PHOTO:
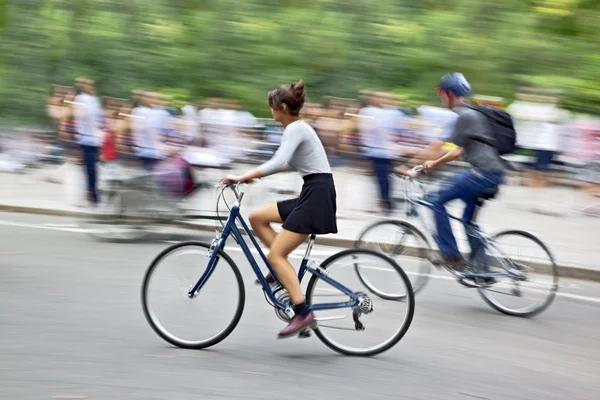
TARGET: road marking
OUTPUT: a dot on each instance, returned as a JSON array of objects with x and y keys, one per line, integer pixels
[
  {"x": 61, "y": 225},
  {"x": 579, "y": 297},
  {"x": 41, "y": 226},
  {"x": 474, "y": 396},
  {"x": 69, "y": 396},
  {"x": 159, "y": 355},
  {"x": 255, "y": 373}
]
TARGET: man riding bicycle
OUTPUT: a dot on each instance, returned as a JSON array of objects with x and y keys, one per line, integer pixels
[{"x": 471, "y": 136}]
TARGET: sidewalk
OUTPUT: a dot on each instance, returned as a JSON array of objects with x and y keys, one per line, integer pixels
[{"x": 549, "y": 213}]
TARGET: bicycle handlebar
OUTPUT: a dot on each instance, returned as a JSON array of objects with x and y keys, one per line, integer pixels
[
  {"x": 418, "y": 168},
  {"x": 239, "y": 195}
]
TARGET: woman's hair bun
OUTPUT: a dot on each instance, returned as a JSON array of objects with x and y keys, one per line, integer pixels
[
  {"x": 293, "y": 96},
  {"x": 299, "y": 86}
]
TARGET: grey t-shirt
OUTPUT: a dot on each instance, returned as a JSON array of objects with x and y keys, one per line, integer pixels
[
  {"x": 301, "y": 150},
  {"x": 470, "y": 125}
]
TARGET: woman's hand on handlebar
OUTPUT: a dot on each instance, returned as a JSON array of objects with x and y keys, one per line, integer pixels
[
  {"x": 246, "y": 178},
  {"x": 233, "y": 179}
]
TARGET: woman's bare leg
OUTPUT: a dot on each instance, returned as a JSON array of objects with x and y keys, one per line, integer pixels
[
  {"x": 261, "y": 220},
  {"x": 285, "y": 242}
]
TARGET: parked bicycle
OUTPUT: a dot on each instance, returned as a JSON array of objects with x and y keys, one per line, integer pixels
[
  {"x": 132, "y": 201},
  {"x": 499, "y": 270},
  {"x": 344, "y": 316}
]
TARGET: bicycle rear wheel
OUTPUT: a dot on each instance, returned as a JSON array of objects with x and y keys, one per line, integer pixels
[
  {"x": 533, "y": 285},
  {"x": 379, "y": 323},
  {"x": 204, "y": 320},
  {"x": 403, "y": 243}
]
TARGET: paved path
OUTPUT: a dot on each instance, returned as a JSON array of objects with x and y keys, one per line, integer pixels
[{"x": 73, "y": 328}]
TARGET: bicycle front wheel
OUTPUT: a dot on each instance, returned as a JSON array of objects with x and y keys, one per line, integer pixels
[
  {"x": 204, "y": 320},
  {"x": 376, "y": 324},
  {"x": 531, "y": 282},
  {"x": 403, "y": 243}
]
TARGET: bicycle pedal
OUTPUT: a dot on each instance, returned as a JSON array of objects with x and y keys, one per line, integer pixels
[{"x": 304, "y": 334}]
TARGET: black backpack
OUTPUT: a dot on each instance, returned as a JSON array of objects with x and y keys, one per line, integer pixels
[{"x": 502, "y": 127}]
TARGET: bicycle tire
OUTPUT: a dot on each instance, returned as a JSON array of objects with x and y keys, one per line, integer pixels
[
  {"x": 169, "y": 337},
  {"x": 424, "y": 272},
  {"x": 398, "y": 335},
  {"x": 554, "y": 289}
]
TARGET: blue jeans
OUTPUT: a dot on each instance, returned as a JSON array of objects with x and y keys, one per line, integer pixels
[
  {"x": 90, "y": 157},
  {"x": 149, "y": 163},
  {"x": 465, "y": 186},
  {"x": 382, "y": 168}
]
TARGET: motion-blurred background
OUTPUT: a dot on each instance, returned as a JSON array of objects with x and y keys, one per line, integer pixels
[{"x": 209, "y": 65}]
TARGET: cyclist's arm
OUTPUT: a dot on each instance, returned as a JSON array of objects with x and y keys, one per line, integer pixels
[
  {"x": 452, "y": 155},
  {"x": 279, "y": 161},
  {"x": 290, "y": 141},
  {"x": 432, "y": 151}
]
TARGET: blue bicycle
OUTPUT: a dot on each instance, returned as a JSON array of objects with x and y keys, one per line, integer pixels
[
  {"x": 209, "y": 288},
  {"x": 514, "y": 271}
]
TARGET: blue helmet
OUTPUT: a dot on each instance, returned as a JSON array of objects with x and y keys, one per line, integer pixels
[{"x": 456, "y": 83}]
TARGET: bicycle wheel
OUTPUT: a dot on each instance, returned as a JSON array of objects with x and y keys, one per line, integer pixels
[
  {"x": 532, "y": 287},
  {"x": 402, "y": 242},
  {"x": 337, "y": 328},
  {"x": 204, "y": 320}
]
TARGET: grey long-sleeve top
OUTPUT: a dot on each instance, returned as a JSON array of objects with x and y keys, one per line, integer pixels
[{"x": 301, "y": 150}]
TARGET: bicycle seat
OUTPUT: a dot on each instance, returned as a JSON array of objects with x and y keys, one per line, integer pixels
[{"x": 488, "y": 194}]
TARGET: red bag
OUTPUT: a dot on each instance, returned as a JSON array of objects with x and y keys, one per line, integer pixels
[{"x": 109, "y": 147}]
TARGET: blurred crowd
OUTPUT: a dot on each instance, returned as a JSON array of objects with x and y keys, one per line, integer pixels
[{"x": 377, "y": 130}]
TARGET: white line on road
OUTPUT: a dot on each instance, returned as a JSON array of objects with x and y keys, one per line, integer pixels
[
  {"x": 255, "y": 373},
  {"x": 159, "y": 355},
  {"x": 41, "y": 226}
]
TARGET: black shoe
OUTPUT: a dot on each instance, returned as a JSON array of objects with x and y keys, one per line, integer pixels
[
  {"x": 485, "y": 280},
  {"x": 437, "y": 260}
]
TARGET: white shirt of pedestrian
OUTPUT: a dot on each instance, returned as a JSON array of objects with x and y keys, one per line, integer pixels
[{"x": 87, "y": 113}]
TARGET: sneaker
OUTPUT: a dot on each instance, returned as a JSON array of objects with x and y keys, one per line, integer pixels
[{"x": 298, "y": 324}]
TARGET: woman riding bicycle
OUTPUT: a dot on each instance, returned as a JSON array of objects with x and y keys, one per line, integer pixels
[{"x": 314, "y": 212}]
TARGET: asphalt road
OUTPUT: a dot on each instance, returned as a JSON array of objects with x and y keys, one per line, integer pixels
[{"x": 72, "y": 327}]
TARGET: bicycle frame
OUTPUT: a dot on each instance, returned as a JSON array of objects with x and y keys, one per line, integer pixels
[
  {"x": 472, "y": 229},
  {"x": 231, "y": 228}
]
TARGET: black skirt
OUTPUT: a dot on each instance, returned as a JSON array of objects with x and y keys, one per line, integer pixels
[{"x": 314, "y": 211}]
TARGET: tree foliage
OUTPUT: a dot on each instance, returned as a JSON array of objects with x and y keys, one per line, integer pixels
[{"x": 241, "y": 49}]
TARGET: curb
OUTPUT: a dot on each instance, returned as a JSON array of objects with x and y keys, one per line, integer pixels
[{"x": 564, "y": 271}]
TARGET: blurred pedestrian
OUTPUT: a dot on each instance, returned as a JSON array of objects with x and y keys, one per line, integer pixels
[
  {"x": 377, "y": 127},
  {"x": 87, "y": 115},
  {"x": 537, "y": 121},
  {"x": 149, "y": 125},
  {"x": 190, "y": 124}
]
